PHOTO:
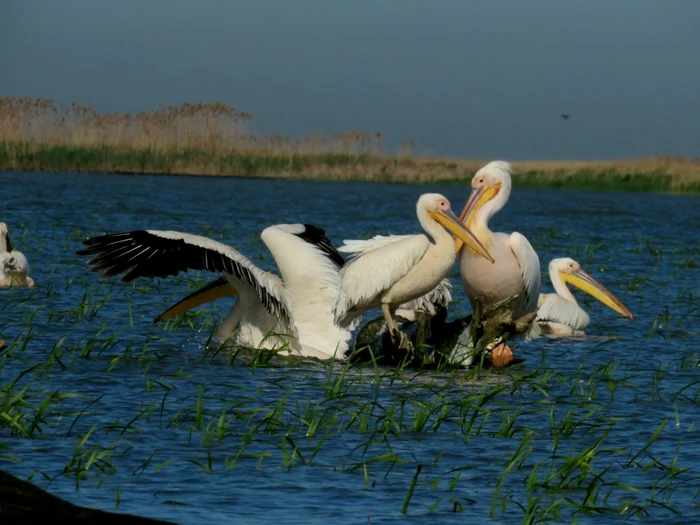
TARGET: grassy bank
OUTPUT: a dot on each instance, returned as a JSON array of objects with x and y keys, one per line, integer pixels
[{"x": 217, "y": 140}]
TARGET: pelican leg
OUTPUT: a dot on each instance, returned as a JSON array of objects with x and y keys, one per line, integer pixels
[
  {"x": 399, "y": 339},
  {"x": 390, "y": 323}
]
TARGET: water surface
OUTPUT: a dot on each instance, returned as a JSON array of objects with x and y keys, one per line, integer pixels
[{"x": 151, "y": 397}]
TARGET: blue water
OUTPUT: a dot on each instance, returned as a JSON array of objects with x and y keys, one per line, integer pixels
[{"x": 642, "y": 247}]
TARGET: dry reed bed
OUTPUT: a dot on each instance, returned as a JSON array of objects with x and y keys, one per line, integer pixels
[{"x": 215, "y": 139}]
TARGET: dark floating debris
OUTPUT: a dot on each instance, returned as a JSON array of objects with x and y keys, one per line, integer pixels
[
  {"x": 23, "y": 502},
  {"x": 479, "y": 338}
]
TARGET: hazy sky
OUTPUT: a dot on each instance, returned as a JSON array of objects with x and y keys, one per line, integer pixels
[{"x": 485, "y": 79}]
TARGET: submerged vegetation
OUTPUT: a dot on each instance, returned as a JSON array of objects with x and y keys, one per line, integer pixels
[{"x": 215, "y": 139}]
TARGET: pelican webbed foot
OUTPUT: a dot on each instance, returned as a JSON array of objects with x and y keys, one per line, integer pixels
[{"x": 401, "y": 341}]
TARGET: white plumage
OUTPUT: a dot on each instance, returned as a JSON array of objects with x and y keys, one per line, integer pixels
[
  {"x": 559, "y": 316},
  {"x": 517, "y": 267},
  {"x": 295, "y": 312},
  {"x": 438, "y": 297},
  {"x": 529, "y": 264},
  {"x": 14, "y": 267},
  {"x": 378, "y": 265}
]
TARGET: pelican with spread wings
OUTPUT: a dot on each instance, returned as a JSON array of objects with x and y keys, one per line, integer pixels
[{"x": 292, "y": 313}]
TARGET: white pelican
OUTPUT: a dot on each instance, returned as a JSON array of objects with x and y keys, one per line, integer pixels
[
  {"x": 14, "y": 268},
  {"x": 296, "y": 314},
  {"x": 517, "y": 267},
  {"x": 559, "y": 313},
  {"x": 388, "y": 271}
]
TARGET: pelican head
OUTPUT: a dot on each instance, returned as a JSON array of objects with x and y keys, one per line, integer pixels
[
  {"x": 437, "y": 207},
  {"x": 491, "y": 181},
  {"x": 570, "y": 272}
]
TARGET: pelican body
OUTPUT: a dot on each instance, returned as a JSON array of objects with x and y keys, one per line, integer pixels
[
  {"x": 516, "y": 270},
  {"x": 439, "y": 298},
  {"x": 14, "y": 267},
  {"x": 559, "y": 313},
  {"x": 388, "y": 271},
  {"x": 292, "y": 313}
]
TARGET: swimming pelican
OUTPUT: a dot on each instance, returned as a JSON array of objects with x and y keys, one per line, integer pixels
[
  {"x": 388, "y": 271},
  {"x": 517, "y": 267},
  {"x": 14, "y": 268},
  {"x": 559, "y": 313},
  {"x": 296, "y": 314}
]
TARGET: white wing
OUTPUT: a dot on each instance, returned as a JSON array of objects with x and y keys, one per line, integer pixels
[
  {"x": 310, "y": 268},
  {"x": 556, "y": 309},
  {"x": 154, "y": 253},
  {"x": 529, "y": 268},
  {"x": 440, "y": 296},
  {"x": 381, "y": 262},
  {"x": 378, "y": 241}
]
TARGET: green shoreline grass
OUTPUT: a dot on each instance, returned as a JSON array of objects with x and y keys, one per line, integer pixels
[
  {"x": 214, "y": 139},
  {"x": 647, "y": 175}
]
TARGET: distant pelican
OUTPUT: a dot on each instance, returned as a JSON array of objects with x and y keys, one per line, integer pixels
[
  {"x": 388, "y": 271},
  {"x": 559, "y": 313},
  {"x": 296, "y": 313},
  {"x": 517, "y": 267},
  {"x": 14, "y": 268}
]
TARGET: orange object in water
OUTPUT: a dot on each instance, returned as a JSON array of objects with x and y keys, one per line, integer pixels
[{"x": 502, "y": 356}]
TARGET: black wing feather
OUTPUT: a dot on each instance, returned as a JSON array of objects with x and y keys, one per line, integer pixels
[
  {"x": 146, "y": 254},
  {"x": 316, "y": 236}
]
